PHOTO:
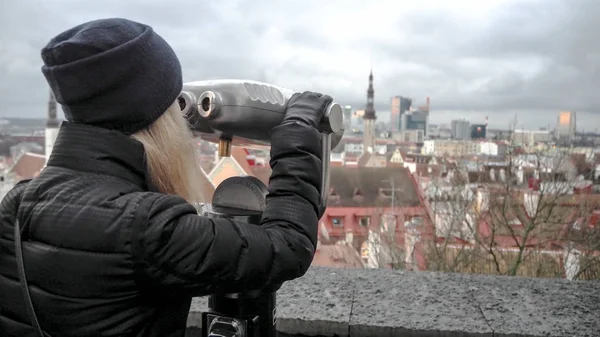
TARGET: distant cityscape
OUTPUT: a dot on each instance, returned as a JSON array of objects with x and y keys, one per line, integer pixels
[
  {"x": 437, "y": 188},
  {"x": 411, "y": 123},
  {"x": 408, "y": 122}
]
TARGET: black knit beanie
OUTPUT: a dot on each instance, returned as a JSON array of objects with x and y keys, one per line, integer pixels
[{"x": 112, "y": 73}]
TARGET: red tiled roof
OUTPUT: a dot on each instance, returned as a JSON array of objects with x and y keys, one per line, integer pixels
[
  {"x": 423, "y": 170},
  {"x": 28, "y": 166},
  {"x": 371, "y": 186}
]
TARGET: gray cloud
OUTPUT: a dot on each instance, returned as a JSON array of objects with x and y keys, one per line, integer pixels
[{"x": 531, "y": 57}]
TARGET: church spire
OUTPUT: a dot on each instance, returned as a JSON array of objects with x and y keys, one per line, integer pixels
[
  {"x": 370, "y": 108},
  {"x": 52, "y": 125},
  {"x": 52, "y": 121}
]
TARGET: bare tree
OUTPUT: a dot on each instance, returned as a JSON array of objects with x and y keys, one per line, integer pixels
[
  {"x": 398, "y": 240},
  {"x": 451, "y": 204},
  {"x": 515, "y": 216},
  {"x": 390, "y": 243},
  {"x": 495, "y": 223},
  {"x": 384, "y": 246},
  {"x": 582, "y": 255}
]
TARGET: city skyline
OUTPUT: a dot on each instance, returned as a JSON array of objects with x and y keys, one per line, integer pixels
[{"x": 534, "y": 58}]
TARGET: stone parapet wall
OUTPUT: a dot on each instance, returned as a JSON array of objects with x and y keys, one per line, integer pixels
[{"x": 377, "y": 302}]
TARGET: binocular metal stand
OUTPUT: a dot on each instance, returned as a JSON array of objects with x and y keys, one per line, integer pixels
[
  {"x": 250, "y": 314},
  {"x": 243, "y": 113}
]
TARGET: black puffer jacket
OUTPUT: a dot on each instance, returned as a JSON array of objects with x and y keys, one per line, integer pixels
[{"x": 106, "y": 257}]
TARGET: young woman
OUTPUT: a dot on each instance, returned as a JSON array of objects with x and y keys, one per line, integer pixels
[{"x": 112, "y": 245}]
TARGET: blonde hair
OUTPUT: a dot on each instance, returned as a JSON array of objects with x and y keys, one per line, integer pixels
[{"x": 171, "y": 156}]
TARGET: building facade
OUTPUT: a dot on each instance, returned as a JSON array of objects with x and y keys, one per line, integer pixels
[
  {"x": 460, "y": 129},
  {"x": 478, "y": 131},
  {"x": 400, "y": 106},
  {"x": 566, "y": 126},
  {"x": 530, "y": 137}
]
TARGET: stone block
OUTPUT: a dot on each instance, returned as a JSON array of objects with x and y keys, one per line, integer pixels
[
  {"x": 199, "y": 305},
  {"x": 318, "y": 304},
  {"x": 396, "y": 303},
  {"x": 518, "y": 306}
]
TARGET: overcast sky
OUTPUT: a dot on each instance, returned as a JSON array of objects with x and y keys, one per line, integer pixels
[{"x": 476, "y": 58}]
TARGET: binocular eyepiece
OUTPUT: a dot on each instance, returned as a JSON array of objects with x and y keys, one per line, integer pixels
[
  {"x": 204, "y": 105},
  {"x": 230, "y": 106}
]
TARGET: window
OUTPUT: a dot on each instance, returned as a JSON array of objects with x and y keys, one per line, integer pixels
[
  {"x": 364, "y": 221},
  {"x": 337, "y": 222},
  {"x": 388, "y": 221},
  {"x": 413, "y": 221}
]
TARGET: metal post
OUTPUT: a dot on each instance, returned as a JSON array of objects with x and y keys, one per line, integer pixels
[
  {"x": 393, "y": 196},
  {"x": 393, "y": 187}
]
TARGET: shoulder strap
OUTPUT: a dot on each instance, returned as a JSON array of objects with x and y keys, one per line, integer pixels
[{"x": 23, "y": 279}]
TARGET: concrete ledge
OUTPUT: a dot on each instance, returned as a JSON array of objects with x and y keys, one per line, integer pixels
[{"x": 376, "y": 302}]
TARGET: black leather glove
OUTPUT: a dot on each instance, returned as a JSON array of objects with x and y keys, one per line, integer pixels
[{"x": 307, "y": 108}]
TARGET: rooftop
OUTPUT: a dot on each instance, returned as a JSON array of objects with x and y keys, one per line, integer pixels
[
  {"x": 379, "y": 302},
  {"x": 370, "y": 187},
  {"x": 28, "y": 165}
]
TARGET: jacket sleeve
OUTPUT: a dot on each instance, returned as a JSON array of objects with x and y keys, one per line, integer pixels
[{"x": 178, "y": 248}]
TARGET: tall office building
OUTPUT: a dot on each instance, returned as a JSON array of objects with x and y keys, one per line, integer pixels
[
  {"x": 478, "y": 131},
  {"x": 348, "y": 118},
  {"x": 415, "y": 120},
  {"x": 460, "y": 129},
  {"x": 566, "y": 126},
  {"x": 400, "y": 106},
  {"x": 357, "y": 119}
]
